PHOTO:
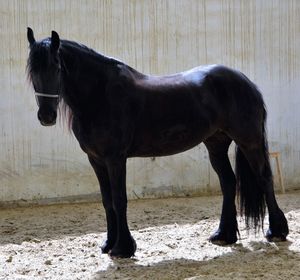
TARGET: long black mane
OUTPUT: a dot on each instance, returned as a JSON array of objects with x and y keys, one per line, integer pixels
[
  {"x": 78, "y": 53},
  {"x": 75, "y": 49}
]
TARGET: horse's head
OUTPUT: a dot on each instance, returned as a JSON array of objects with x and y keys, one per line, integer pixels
[{"x": 44, "y": 70}]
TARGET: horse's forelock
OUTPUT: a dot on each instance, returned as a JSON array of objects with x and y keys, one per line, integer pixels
[{"x": 38, "y": 56}]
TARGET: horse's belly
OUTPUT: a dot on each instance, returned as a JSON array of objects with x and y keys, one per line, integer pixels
[{"x": 168, "y": 141}]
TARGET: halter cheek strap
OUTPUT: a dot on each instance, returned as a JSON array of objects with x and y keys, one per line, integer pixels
[{"x": 47, "y": 95}]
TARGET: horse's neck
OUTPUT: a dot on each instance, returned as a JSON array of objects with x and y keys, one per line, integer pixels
[{"x": 83, "y": 84}]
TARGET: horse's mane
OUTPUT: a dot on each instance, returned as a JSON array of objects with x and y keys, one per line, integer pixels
[{"x": 78, "y": 50}]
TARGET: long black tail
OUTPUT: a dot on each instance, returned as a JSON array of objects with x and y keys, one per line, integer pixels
[{"x": 250, "y": 190}]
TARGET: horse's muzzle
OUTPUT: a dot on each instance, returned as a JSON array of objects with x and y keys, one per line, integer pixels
[{"x": 47, "y": 117}]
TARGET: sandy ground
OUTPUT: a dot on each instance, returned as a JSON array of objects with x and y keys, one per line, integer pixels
[{"x": 62, "y": 242}]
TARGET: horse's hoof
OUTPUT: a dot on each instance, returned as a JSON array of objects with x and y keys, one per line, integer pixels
[
  {"x": 106, "y": 247},
  {"x": 123, "y": 251},
  {"x": 221, "y": 238},
  {"x": 278, "y": 229},
  {"x": 280, "y": 237}
]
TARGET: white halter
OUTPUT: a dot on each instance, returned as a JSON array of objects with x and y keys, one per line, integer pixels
[{"x": 46, "y": 95}]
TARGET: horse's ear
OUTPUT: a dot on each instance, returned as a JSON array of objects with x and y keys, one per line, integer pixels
[
  {"x": 55, "y": 41},
  {"x": 30, "y": 36}
]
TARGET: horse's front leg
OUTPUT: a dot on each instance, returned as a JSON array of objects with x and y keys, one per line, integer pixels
[
  {"x": 125, "y": 245},
  {"x": 103, "y": 178}
]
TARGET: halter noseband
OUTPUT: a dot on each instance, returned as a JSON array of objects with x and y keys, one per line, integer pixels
[{"x": 46, "y": 95}]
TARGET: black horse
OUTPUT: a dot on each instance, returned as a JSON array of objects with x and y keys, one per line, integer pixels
[{"x": 116, "y": 112}]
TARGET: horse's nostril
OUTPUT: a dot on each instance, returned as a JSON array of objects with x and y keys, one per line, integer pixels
[{"x": 53, "y": 115}]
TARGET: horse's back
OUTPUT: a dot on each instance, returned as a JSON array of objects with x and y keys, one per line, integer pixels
[
  {"x": 216, "y": 78},
  {"x": 193, "y": 77}
]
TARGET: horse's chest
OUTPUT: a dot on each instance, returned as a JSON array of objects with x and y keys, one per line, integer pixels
[{"x": 93, "y": 141}]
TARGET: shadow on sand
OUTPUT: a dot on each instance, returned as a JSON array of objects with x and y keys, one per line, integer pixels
[{"x": 259, "y": 260}]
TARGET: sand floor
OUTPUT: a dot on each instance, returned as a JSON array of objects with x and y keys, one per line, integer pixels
[{"x": 62, "y": 242}]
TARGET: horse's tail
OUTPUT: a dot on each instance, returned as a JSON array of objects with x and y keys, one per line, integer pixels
[{"x": 250, "y": 190}]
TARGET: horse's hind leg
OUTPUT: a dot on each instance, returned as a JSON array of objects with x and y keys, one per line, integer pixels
[
  {"x": 217, "y": 146},
  {"x": 258, "y": 158}
]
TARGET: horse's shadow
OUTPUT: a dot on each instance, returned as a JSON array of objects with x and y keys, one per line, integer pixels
[
  {"x": 255, "y": 258},
  {"x": 54, "y": 222}
]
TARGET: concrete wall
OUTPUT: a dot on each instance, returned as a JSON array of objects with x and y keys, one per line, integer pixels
[{"x": 261, "y": 38}]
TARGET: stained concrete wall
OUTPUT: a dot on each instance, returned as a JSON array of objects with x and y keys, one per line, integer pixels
[{"x": 260, "y": 38}]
